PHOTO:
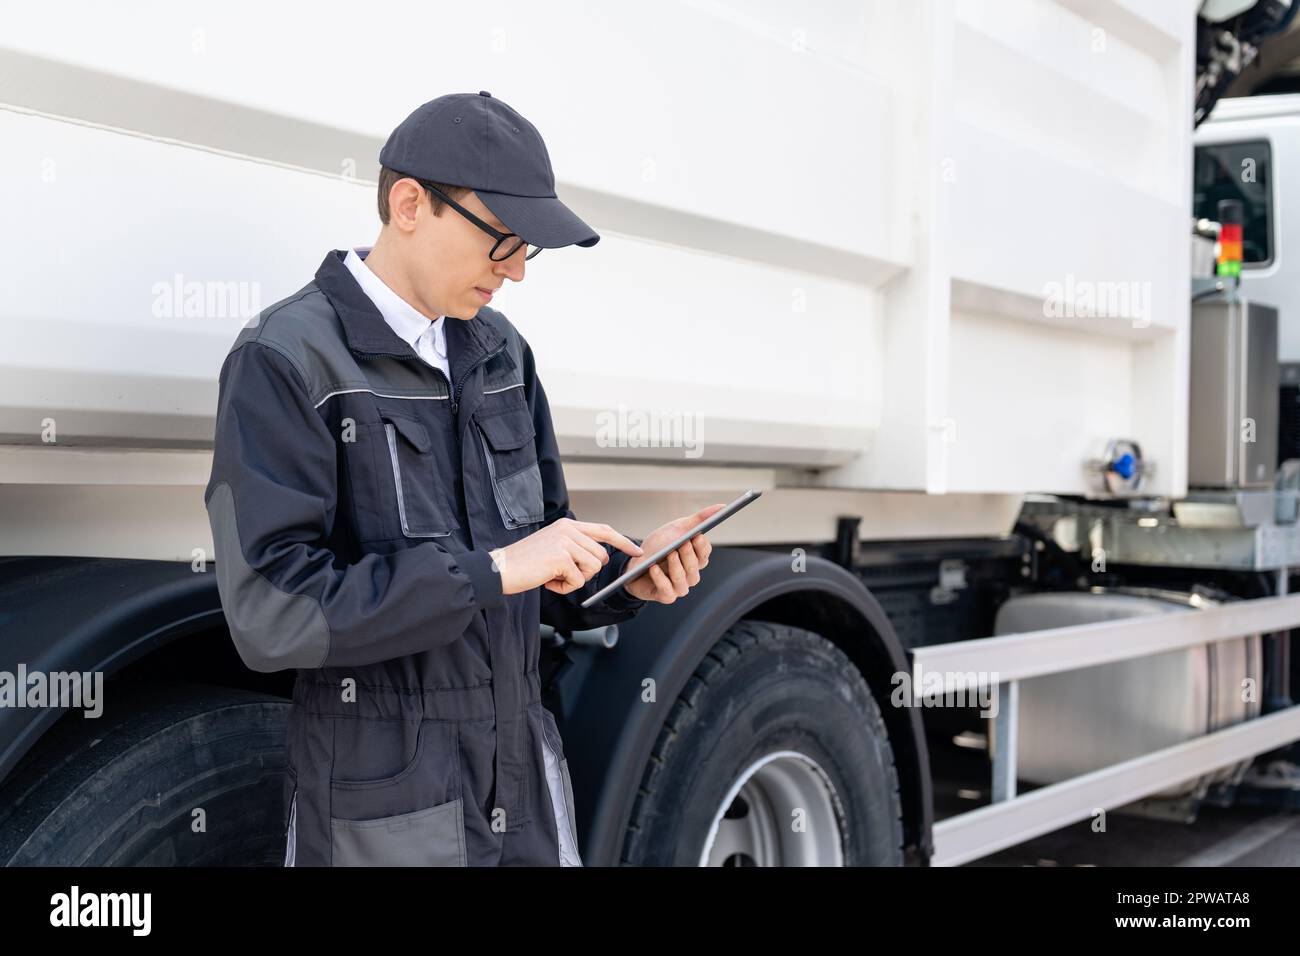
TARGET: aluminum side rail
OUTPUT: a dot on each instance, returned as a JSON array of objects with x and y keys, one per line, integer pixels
[{"x": 1010, "y": 658}]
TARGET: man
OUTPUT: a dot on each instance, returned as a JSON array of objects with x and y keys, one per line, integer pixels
[{"x": 391, "y": 519}]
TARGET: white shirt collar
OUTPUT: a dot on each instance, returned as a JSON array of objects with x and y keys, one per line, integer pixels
[{"x": 402, "y": 317}]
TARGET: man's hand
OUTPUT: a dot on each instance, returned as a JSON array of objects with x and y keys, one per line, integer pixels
[
  {"x": 676, "y": 574},
  {"x": 563, "y": 556}
]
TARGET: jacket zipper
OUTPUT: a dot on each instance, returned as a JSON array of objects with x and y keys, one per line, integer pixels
[{"x": 455, "y": 399}]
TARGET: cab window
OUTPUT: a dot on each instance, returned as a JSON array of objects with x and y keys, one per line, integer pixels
[{"x": 1242, "y": 171}]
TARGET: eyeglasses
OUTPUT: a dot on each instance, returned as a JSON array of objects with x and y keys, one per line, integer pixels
[{"x": 503, "y": 245}]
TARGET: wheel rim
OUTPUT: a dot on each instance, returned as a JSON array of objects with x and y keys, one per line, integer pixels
[{"x": 755, "y": 822}]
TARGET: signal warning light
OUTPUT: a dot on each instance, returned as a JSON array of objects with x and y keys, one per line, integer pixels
[{"x": 1229, "y": 258}]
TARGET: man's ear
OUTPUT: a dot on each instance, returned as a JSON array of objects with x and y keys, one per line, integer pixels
[{"x": 404, "y": 200}]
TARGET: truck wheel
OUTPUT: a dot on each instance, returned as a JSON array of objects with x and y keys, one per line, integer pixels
[
  {"x": 126, "y": 788},
  {"x": 775, "y": 754}
]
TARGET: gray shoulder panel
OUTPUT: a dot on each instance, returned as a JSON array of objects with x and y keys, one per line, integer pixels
[{"x": 305, "y": 328}]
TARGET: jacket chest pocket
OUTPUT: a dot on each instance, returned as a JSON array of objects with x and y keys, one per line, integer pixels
[
  {"x": 399, "y": 487},
  {"x": 509, "y": 448},
  {"x": 418, "y": 483}
]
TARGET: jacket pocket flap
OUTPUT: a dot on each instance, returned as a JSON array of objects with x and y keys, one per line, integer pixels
[
  {"x": 411, "y": 430},
  {"x": 508, "y": 431}
]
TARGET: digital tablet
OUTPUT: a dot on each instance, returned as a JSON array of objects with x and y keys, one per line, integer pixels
[{"x": 711, "y": 521}]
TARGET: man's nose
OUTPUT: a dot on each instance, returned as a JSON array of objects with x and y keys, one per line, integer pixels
[{"x": 512, "y": 268}]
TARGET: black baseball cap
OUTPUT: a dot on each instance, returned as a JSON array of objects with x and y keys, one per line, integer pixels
[{"x": 478, "y": 141}]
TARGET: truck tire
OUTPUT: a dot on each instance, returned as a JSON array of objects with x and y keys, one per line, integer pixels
[
  {"x": 126, "y": 788},
  {"x": 774, "y": 754}
]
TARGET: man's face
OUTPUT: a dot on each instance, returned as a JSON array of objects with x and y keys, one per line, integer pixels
[{"x": 447, "y": 255}]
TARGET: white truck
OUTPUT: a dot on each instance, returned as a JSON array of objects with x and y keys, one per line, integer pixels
[{"x": 918, "y": 271}]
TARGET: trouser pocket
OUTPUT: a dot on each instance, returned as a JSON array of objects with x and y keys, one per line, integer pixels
[
  {"x": 434, "y": 836},
  {"x": 414, "y": 817}
]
